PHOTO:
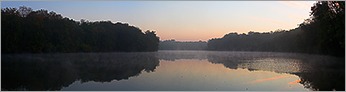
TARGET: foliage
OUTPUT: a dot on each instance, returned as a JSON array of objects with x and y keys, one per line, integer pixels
[
  {"x": 326, "y": 27},
  {"x": 27, "y": 31}
]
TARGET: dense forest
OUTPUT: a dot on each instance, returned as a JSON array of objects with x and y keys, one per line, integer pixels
[
  {"x": 26, "y": 31},
  {"x": 179, "y": 45},
  {"x": 322, "y": 33}
]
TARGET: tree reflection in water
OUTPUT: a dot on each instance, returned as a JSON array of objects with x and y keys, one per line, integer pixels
[
  {"x": 55, "y": 71},
  {"x": 317, "y": 72}
]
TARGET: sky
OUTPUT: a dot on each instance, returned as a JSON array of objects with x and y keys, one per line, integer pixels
[{"x": 183, "y": 20}]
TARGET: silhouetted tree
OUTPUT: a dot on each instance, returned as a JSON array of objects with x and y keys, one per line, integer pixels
[{"x": 326, "y": 27}]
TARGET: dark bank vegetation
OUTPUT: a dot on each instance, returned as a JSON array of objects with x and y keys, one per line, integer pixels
[
  {"x": 179, "y": 45},
  {"x": 26, "y": 31},
  {"x": 322, "y": 33}
]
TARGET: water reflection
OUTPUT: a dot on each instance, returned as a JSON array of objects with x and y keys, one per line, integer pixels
[
  {"x": 56, "y": 71},
  {"x": 317, "y": 72}
]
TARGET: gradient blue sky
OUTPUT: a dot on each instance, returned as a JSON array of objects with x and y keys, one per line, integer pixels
[{"x": 184, "y": 20}]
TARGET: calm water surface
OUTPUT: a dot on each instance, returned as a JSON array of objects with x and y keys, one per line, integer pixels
[{"x": 172, "y": 70}]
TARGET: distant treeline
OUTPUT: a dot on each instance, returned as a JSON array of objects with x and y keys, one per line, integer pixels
[
  {"x": 323, "y": 33},
  {"x": 178, "y": 45},
  {"x": 26, "y": 31}
]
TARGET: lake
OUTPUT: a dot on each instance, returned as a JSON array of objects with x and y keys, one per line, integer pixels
[{"x": 172, "y": 71}]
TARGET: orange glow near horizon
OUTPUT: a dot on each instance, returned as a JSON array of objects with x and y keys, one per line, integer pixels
[
  {"x": 294, "y": 82},
  {"x": 269, "y": 79}
]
